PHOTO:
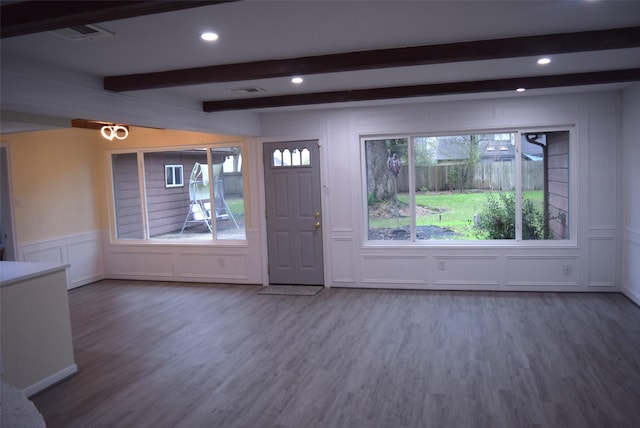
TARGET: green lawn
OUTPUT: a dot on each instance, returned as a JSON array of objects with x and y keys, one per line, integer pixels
[
  {"x": 236, "y": 206},
  {"x": 453, "y": 211}
]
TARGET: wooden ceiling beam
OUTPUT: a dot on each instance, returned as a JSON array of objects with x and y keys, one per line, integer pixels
[
  {"x": 452, "y": 88},
  {"x": 29, "y": 17},
  {"x": 383, "y": 58}
]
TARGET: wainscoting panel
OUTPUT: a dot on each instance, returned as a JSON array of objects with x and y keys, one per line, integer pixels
[
  {"x": 393, "y": 269},
  {"x": 226, "y": 267},
  {"x": 342, "y": 261},
  {"x": 54, "y": 254},
  {"x": 221, "y": 262},
  {"x": 448, "y": 112},
  {"x": 524, "y": 112},
  {"x": 603, "y": 205},
  {"x": 602, "y": 262},
  {"x": 542, "y": 271},
  {"x": 373, "y": 119},
  {"x": 130, "y": 264},
  {"x": 87, "y": 262},
  {"x": 83, "y": 253},
  {"x": 473, "y": 272}
]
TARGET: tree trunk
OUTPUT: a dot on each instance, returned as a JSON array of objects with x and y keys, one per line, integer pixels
[{"x": 381, "y": 183}]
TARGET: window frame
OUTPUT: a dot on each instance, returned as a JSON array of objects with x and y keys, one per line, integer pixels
[
  {"x": 147, "y": 240},
  {"x": 572, "y": 241}
]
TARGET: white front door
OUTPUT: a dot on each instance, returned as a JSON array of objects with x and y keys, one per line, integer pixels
[{"x": 294, "y": 221}]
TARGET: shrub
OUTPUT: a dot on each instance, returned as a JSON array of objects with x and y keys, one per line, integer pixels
[{"x": 497, "y": 219}]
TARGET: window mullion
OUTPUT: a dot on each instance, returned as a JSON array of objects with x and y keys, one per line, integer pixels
[
  {"x": 518, "y": 185},
  {"x": 211, "y": 194},
  {"x": 412, "y": 190},
  {"x": 143, "y": 193}
]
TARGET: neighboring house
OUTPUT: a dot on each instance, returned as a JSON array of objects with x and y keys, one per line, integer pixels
[
  {"x": 452, "y": 151},
  {"x": 456, "y": 150}
]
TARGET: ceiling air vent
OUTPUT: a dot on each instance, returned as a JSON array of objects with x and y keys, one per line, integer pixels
[
  {"x": 247, "y": 90},
  {"x": 81, "y": 32}
]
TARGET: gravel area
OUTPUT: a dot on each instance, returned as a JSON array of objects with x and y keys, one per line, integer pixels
[{"x": 402, "y": 233}]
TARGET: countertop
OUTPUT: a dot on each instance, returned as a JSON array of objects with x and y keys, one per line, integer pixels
[{"x": 12, "y": 272}]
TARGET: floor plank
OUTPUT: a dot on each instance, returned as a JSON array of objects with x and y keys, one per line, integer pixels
[{"x": 153, "y": 354}]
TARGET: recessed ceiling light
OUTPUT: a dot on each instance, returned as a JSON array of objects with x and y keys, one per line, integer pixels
[
  {"x": 209, "y": 37},
  {"x": 297, "y": 80},
  {"x": 520, "y": 90},
  {"x": 544, "y": 61}
]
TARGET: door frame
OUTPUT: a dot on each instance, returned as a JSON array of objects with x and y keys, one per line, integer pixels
[
  {"x": 324, "y": 204},
  {"x": 7, "y": 206}
]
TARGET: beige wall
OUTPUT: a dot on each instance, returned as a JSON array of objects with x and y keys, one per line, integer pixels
[
  {"x": 151, "y": 138},
  {"x": 61, "y": 176},
  {"x": 54, "y": 183}
]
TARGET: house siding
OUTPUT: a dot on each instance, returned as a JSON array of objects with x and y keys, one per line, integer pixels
[
  {"x": 558, "y": 185},
  {"x": 126, "y": 186},
  {"x": 167, "y": 207}
]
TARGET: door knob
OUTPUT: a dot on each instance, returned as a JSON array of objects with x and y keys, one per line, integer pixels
[{"x": 317, "y": 225}]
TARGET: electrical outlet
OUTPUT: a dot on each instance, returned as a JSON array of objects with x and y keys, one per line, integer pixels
[
  {"x": 442, "y": 265},
  {"x": 221, "y": 261},
  {"x": 566, "y": 269}
]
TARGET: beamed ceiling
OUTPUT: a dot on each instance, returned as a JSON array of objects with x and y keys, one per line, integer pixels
[
  {"x": 27, "y": 17},
  {"x": 347, "y": 51}
]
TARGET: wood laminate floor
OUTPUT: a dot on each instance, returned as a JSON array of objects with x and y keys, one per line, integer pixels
[{"x": 193, "y": 355}]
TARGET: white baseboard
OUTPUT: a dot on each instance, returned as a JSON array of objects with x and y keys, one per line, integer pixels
[
  {"x": 50, "y": 380},
  {"x": 635, "y": 297}
]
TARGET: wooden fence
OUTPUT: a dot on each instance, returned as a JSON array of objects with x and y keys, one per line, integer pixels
[{"x": 483, "y": 175}]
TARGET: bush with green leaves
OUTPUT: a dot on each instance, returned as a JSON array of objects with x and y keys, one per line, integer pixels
[{"x": 497, "y": 219}]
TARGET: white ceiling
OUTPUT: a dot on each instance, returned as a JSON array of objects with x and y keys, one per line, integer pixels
[{"x": 264, "y": 29}]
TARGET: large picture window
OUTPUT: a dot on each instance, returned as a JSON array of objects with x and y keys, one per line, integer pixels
[
  {"x": 208, "y": 205},
  {"x": 477, "y": 186}
]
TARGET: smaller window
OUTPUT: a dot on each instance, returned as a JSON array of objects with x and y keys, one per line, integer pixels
[
  {"x": 173, "y": 176},
  {"x": 294, "y": 158}
]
